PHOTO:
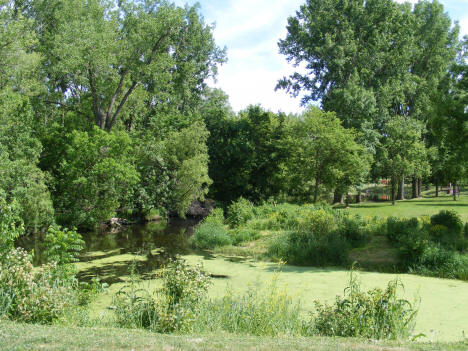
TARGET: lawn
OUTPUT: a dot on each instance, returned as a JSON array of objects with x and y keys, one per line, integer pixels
[
  {"x": 15, "y": 336},
  {"x": 425, "y": 206}
]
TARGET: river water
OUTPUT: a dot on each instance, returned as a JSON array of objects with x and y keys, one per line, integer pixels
[{"x": 113, "y": 249}]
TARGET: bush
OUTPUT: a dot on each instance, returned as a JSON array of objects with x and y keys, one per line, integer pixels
[
  {"x": 39, "y": 296},
  {"x": 241, "y": 235},
  {"x": 447, "y": 230},
  {"x": 450, "y": 219},
  {"x": 62, "y": 245},
  {"x": 176, "y": 305},
  {"x": 239, "y": 212},
  {"x": 440, "y": 262},
  {"x": 376, "y": 314},
  {"x": 211, "y": 233},
  {"x": 316, "y": 242},
  {"x": 400, "y": 227},
  {"x": 11, "y": 225},
  {"x": 353, "y": 229}
]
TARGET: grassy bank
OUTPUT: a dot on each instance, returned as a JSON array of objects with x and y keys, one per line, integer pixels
[
  {"x": 426, "y": 206},
  {"x": 15, "y": 336}
]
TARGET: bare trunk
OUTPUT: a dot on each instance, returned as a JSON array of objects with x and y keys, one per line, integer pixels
[
  {"x": 419, "y": 187},
  {"x": 414, "y": 188},
  {"x": 337, "y": 197},
  {"x": 401, "y": 188},
  {"x": 359, "y": 197},
  {"x": 437, "y": 188},
  {"x": 316, "y": 190},
  {"x": 455, "y": 190},
  {"x": 393, "y": 181}
]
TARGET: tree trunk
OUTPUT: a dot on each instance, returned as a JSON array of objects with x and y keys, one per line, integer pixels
[
  {"x": 437, "y": 188},
  {"x": 316, "y": 190},
  {"x": 359, "y": 197},
  {"x": 337, "y": 197},
  {"x": 414, "y": 188},
  {"x": 455, "y": 190},
  {"x": 419, "y": 187},
  {"x": 393, "y": 181},
  {"x": 401, "y": 189}
]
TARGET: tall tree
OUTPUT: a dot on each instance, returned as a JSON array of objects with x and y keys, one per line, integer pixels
[
  {"x": 117, "y": 60},
  {"x": 324, "y": 153}
]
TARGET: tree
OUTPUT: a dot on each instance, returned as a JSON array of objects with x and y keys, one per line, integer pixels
[
  {"x": 370, "y": 60},
  {"x": 116, "y": 61},
  {"x": 247, "y": 152},
  {"x": 325, "y": 153},
  {"x": 173, "y": 171},
  {"x": 402, "y": 151},
  {"x": 95, "y": 177}
]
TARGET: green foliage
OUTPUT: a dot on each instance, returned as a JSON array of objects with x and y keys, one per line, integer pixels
[
  {"x": 315, "y": 242},
  {"x": 376, "y": 314},
  {"x": 134, "y": 307},
  {"x": 62, "y": 245},
  {"x": 129, "y": 60},
  {"x": 247, "y": 153},
  {"x": 241, "y": 235},
  {"x": 173, "y": 171},
  {"x": 211, "y": 232},
  {"x": 96, "y": 177},
  {"x": 439, "y": 262},
  {"x": 34, "y": 295},
  {"x": 20, "y": 177},
  {"x": 450, "y": 219},
  {"x": 324, "y": 154},
  {"x": 239, "y": 212},
  {"x": 184, "y": 287},
  {"x": 11, "y": 226},
  {"x": 430, "y": 248}
]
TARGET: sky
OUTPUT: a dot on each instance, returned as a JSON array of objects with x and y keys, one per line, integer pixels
[{"x": 250, "y": 30}]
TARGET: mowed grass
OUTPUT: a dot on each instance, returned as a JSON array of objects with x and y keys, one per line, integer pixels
[
  {"x": 425, "y": 206},
  {"x": 15, "y": 336},
  {"x": 443, "y": 303}
]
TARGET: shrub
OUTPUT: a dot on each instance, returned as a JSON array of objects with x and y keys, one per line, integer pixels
[
  {"x": 173, "y": 309},
  {"x": 450, "y": 219},
  {"x": 400, "y": 227},
  {"x": 211, "y": 232},
  {"x": 440, "y": 262},
  {"x": 241, "y": 235},
  {"x": 11, "y": 225},
  {"x": 239, "y": 212},
  {"x": 62, "y": 245},
  {"x": 353, "y": 229},
  {"x": 447, "y": 230},
  {"x": 376, "y": 314},
  {"x": 38, "y": 296}
]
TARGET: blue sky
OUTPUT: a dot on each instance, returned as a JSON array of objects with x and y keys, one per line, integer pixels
[{"x": 250, "y": 30}]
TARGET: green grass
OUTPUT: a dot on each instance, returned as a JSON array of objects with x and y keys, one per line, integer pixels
[
  {"x": 15, "y": 336},
  {"x": 426, "y": 206}
]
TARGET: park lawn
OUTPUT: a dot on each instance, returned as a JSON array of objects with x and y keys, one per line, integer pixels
[
  {"x": 15, "y": 336},
  {"x": 425, "y": 206}
]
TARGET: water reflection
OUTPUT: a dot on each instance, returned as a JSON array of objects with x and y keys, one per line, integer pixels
[{"x": 109, "y": 255}]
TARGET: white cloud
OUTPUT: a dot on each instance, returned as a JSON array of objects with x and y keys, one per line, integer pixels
[{"x": 250, "y": 29}]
